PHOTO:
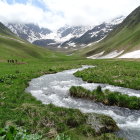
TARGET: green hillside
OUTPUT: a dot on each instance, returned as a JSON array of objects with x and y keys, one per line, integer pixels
[
  {"x": 16, "y": 49},
  {"x": 5, "y": 31},
  {"x": 123, "y": 37},
  {"x": 12, "y": 47}
]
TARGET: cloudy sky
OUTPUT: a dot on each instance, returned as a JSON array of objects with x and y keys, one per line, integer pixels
[{"x": 56, "y": 13}]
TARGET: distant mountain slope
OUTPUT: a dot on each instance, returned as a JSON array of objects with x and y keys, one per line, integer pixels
[
  {"x": 96, "y": 34},
  {"x": 28, "y": 32},
  {"x": 65, "y": 38},
  {"x": 62, "y": 35},
  {"x": 73, "y": 31},
  {"x": 14, "y": 48},
  {"x": 75, "y": 37},
  {"x": 5, "y": 31},
  {"x": 44, "y": 42},
  {"x": 123, "y": 39}
]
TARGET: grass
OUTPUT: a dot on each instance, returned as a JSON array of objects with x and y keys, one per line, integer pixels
[
  {"x": 21, "y": 109},
  {"x": 18, "y": 108},
  {"x": 5, "y": 31},
  {"x": 106, "y": 97},
  {"x": 119, "y": 73}
]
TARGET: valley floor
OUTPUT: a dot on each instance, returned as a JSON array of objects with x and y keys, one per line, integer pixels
[{"x": 21, "y": 109}]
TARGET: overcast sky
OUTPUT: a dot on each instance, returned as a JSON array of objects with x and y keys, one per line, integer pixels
[{"x": 56, "y": 13}]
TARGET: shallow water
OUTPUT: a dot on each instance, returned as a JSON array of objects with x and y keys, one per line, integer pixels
[{"x": 54, "y": 88}]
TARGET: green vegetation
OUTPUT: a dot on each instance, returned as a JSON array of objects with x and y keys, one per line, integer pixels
[
  {"x": 24, "y": 52},
  {"x": 106, "y": 97},
  {"x": 5, "y": 31},
  {"x": 118, "y": 73},
  {"x": 14, "y": 133},
  {"x": 18, "y": 108},
  {"x": 21, "y": 109}
]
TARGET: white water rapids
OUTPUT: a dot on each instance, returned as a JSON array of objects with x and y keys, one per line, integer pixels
[{"x": 54, "y": 88}]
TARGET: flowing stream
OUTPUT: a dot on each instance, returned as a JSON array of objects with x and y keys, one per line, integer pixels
[{"x": 54, "y": 88}]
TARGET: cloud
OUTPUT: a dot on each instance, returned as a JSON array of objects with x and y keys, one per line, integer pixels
[{"x": 56, "y": 13}]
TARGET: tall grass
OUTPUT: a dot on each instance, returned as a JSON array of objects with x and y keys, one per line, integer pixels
[{"x": 106, "y": 97}]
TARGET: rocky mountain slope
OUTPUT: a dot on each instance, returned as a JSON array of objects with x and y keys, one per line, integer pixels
[
  {"x": 28, "y": 32},
  {"x": 63, "y": 34},
  {"x": 96, "y": 34},
  {"x": 122, "y": 42}
]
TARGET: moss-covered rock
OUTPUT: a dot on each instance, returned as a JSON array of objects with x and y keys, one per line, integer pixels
[{"x": 102, "y": 123}]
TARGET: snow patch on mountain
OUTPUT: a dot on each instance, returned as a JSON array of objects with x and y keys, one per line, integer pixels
[
  {"x": 28, "y": 32},
  {"x": 113, "y": 54},
  {"x": 117, "y": 20},
  {"x": 134, "y": 54},
  {"x": 96, "y": 55}
]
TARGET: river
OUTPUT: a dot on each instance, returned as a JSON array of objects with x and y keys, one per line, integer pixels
[{"x": 54, "y": 88}]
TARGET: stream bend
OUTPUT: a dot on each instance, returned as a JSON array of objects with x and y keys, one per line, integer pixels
[{"x": 54, "y": 88}]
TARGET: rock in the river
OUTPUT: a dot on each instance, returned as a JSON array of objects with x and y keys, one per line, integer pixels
[{"x": 102, "y": 123}]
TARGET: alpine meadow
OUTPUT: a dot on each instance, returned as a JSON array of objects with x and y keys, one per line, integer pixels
[{"x": 61, "y": 80}]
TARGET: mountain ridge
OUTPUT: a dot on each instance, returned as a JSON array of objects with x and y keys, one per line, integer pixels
[
  {"x": 66, "y": 37},
  {"x": 124, "y": 38}
]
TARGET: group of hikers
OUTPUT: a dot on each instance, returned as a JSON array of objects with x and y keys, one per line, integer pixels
[{"x": 12, "y": 61}]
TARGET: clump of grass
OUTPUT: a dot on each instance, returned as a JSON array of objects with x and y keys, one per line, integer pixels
[
  {"x": 106, "y": 97},
  {"x": 79, "y": 92}
]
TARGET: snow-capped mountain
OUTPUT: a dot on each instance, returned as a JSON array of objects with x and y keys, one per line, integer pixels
[
  {"x": 63, "y": 34},
  {"x": 65, "y": 37},
  {"x": 72, "y": 31},
  {"x": 96, "y": 34},
  {"x": 116, "y": 20},
  {"x": 29, "y": 32}
]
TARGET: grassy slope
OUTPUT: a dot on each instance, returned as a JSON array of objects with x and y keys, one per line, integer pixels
[
  {"x": 5, "y": 31},
  {"x": 118, "y": 72},
  {"x": 124, "y": 37},
  {"x": 23, "y": 51}
]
